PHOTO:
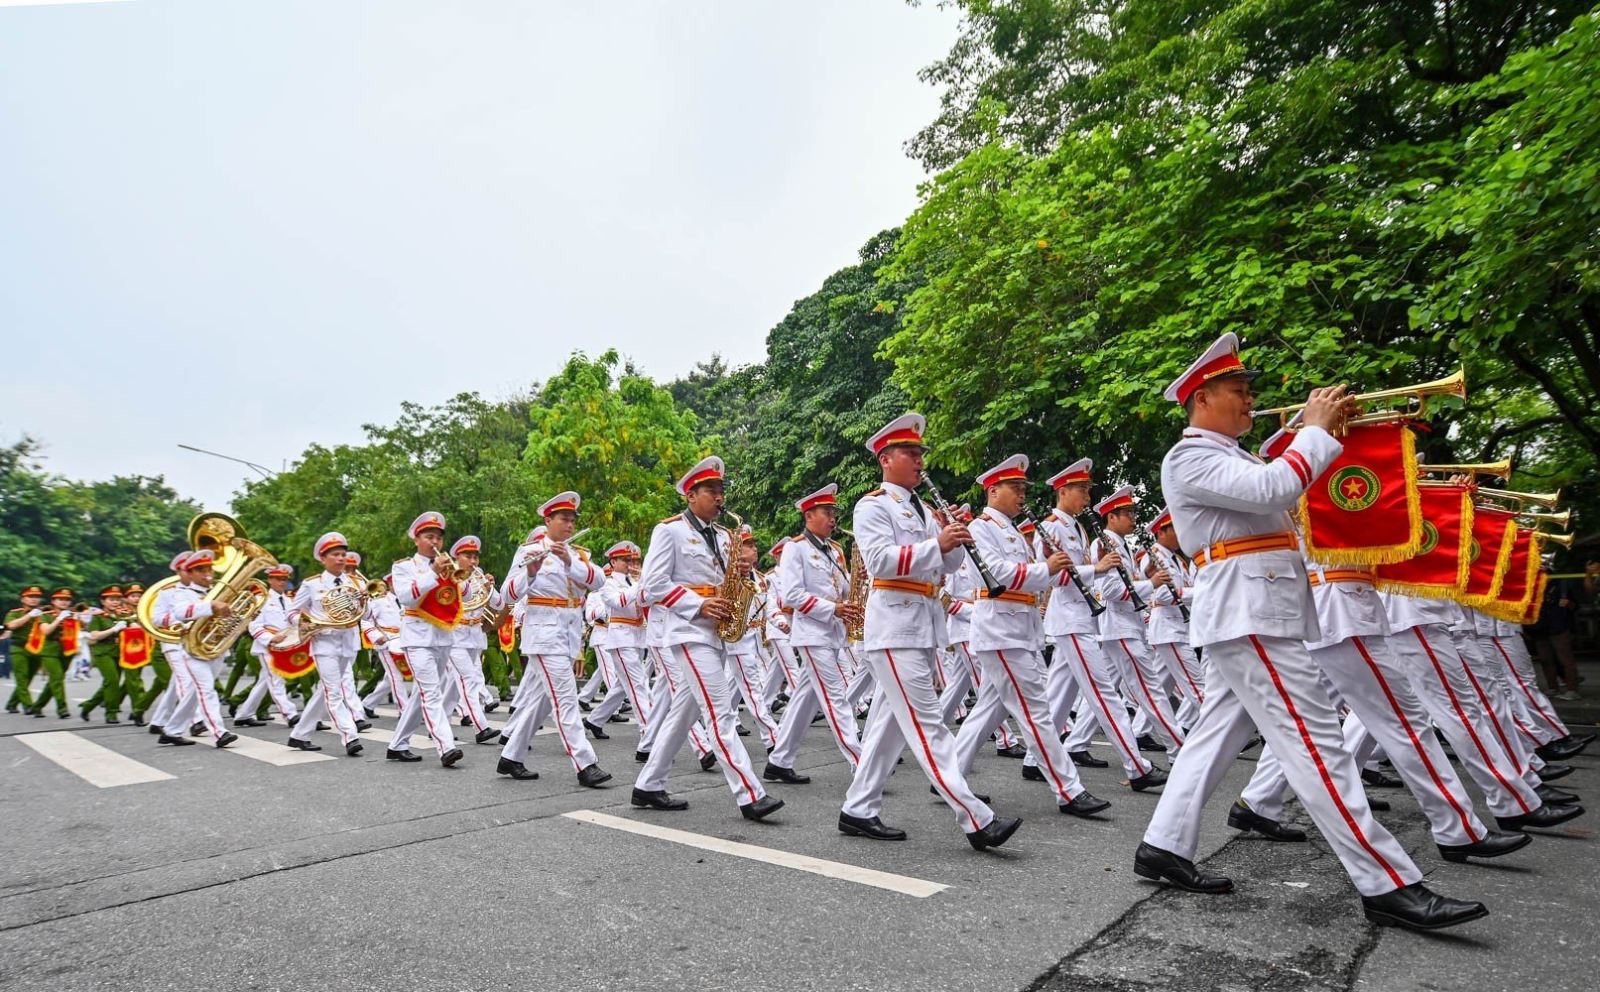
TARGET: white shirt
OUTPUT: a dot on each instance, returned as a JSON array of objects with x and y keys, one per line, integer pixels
[
  {"x": 1217, "y": 491},
  {"x": 813, "y": 580},
  {"x": 899, "y": 543},
  {"x": 679, "y": 557},
  {"x": 555, "y": 630},
  {"x": 308, "y": 601},
  {"x": 1000, "y": 624}
]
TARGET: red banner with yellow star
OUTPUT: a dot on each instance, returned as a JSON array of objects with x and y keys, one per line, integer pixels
[
  {"x": 1365, "y": 509},
  {"x": 507, "y": 633},
  {"x": 133, "y": 647},
  {"x": 1494, "y": 533},
  {"x": 1439, "y": 567},
  {"x": 291, "y": 663}
]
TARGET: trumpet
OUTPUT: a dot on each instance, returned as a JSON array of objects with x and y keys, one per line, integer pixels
[
  {"x": 1562, "y": 519},
  {"x": 1565, "y": 540},
  {"x": 1499, "y": 470},
  {"x": 457, "y": 572},
  {"x": 1454, "y": 384},
  {"x": 1546, "y": 500}
]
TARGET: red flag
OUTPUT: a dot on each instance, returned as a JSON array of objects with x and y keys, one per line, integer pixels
[
  {"x": 291, "y": 663},
  {"x": 1494, "y": 533},
  {"x": 1440, "y": 567},
  {"x": 1365, "y": 509},
  {"x": 1521, "y": 578},
  {"x": 1536, "y": 604},
  {"x": 35, "y": 642},
  {"x": 133, "y": 647},
  {"x": 508, "y": 633}
]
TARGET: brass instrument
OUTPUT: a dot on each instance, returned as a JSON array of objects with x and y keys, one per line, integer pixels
[
  {"x": 476, "y": 591},
  {"x": 1562, "y": 519},
  {"x": 343, "y": 607},
  {"x": 1565, "y": 540},
  {"x": 860, "y": 589},
  {"x": 1546, "y": 500},
  {"x": 1499, "y": 470},
  {"x": 457, "y": 572},
  {"x": 211, "y": 637},
  {"x": 376, "y": 588},
  {"x": 1454, "y": 384},
  {"x": 737, "y": 588},
  {"x": 212, "y": 532}
]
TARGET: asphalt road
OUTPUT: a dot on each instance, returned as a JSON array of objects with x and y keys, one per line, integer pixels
[{"x": 357, "y": 873}]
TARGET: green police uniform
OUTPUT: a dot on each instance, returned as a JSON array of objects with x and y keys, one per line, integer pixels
[
  {"x": 26, "y": 663},
  {"x": 103, "y": 655},
  {"x": 53, "y": 664}
]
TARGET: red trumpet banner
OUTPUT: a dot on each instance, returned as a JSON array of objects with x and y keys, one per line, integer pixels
[
  {"x": 507, "y": 632},
  {"x": 1536, "y": 604},
  {"x": 133, "y": 647},
  {"x": 291, "y": 663},
  {"x": 1440, "y": 566},
  {"x": 1365, "y": 509},
  {"x": 1521, "y": 577},
  {"x": 1494, "y": 534}
]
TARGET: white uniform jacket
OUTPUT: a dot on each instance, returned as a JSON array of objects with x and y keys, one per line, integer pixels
[
  {"x": 270, "y": 622},
  {"x": 813, "y": 580},
  {"x": 308, "y": 601},
  {"x": 778, "y": 612},
  {"x": 594, "y": 613},
  {"x": 184, "y": 604},
  {"x": 1068, "y": 612},
  {"x": 1120, "y": 620},
  {"x": 681, "y": 571},
  {"x": 1406, "y": 612},
  {"x": 1346, "y": 608},
  {"x": 414, "y": 578},
  {"x": 382, "y": 623},
  {"x": 624, "y": 612},
  {"x": 900, "y": 545},
  {"x": 1218, "y": 491},
  {"x": 548, "y": 628},
  {"x": 1008, "y": 624},
  {"x": 962, "y": 587},
  {"x": 1166, "y": 624}
]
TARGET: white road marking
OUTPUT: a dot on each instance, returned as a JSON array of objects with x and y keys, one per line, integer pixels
[
  {"x": 902, "y": 884},
  {"x": 274, "y": 752},
  {"x": 99, "y": 766},
  {"x": 419, "y": 742}
]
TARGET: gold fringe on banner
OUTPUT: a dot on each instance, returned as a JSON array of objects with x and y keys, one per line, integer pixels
[
  {"x": 1501, "y": 565},
  {"x": 1463, "y": 565},
  {"x": 1378, "y": 554}
]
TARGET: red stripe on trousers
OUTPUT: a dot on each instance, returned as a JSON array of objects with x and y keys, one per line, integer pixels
[
  {"x": 642, "y": 713},
  {"x": 1427, "y": 762},
  {"x": 922, "y": 738},
  {"x": 555, "y": 703},
  {"x": 1322, "y": 769},
  {"x": 1532, "y": 699},
  {"x": 1155, "y": 711},
  {"x": 1198, "y": 695},
  {"x": 1105, "y": 710},
  {"x": 750, "y": 696},
  {"x": 1494, "y": 720},
  {"x": 1027, "y": 717},
  {"x": 827, "y": 704},
  {"x": 716, "y": 730},
  {"x": 1461, "y": 715}
]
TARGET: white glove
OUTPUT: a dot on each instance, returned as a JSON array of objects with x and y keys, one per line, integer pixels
[
  {"x": 121, "y": 626},
  {"x": 379, "y": 640},
  {"x": 35, "y": 612}
]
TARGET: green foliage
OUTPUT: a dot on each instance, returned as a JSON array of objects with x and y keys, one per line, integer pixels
[{"x": 55, "y": 532}]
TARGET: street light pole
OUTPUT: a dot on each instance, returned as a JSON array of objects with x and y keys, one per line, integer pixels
[{"x": 266, "y": 473}]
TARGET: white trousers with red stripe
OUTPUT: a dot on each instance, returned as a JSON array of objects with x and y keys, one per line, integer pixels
[
  {"x": 460, "y": 695},
  {"x": 625, "y": 681},
  {"x": 553, "y": 695},
  {"x": 783, "y": 673},
  {"x": 1143, "y": 681},
  {"x": 1486, "y": 675},
  {"x": 698, "y": 677},
  {"x": 598, "y": 679},
  {"x": 906, "y": 712},
  {"x": 1383, "y": 705},
  {"x": 425, "y": 705},
  {"x": 199, "y": 697},
  {"x": 1534, "y": 712},
  {"x": 1096, "y": 679},
  {"x": 826, "y": 690},
  {"x": 748, "y": 672},
  {"x": 392, "y": 686},
  {"x": 1186, "y": 674},
  {"x": 267, "y": 682},
  {"x": 962, "y": 674},
  {"x": 660, "y": 700},
  {"x": 327, "y": 699},
  {"x": 1273, "y": 682},
  {"x": 1017, "y": 678},
  {"x": 1439, "y": 676}
]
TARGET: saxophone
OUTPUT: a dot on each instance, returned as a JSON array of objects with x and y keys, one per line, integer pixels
[
  {"x": 737, "y": 589},
  {"x": 860, "y": 587}
]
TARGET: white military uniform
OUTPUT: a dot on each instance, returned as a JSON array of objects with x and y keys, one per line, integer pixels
[
  {"x": 382, "y": 625},
  {"x": 1252, "y": 615},
  {"x": 784, "y": 669},
  {"x": 813, "y": 577},
  {"x": 168, "y": 700},
  {"x": 661, "y": 688},
  {"x": 334, "y": 651},
  {"x": 465, "y": 689},
  {"x": 747, "y": 665},
  {"x": 1168, "y": 632},
  {"x": 624, "y": 646},
  {"x": 197, "y": 684},
  {"x": 271, "y": 621},
  {"x": 426, "y": 642},
  {"x": 1535, "y": 714},
  {"x": 1122, "y": 639}
]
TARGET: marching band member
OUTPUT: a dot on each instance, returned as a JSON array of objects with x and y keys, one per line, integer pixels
[
  {"x": 267, "y": 624},
  {"x": 31, "y": 615},
  {"x": 660, "y": 692},
  {"x": 1168, "y": 630},
  {"x": 164, "y": 692},
  {"x": 624, "y": 645},
  {"x": 688, "y": 560},
  {"x": 784, "y": 676},
  {"x": 465, "y": 686},
  {"x": 59, "y": 628},
  {"x": 1252, "y": 615},
  {"x": 382, "y": 627},
  {"x": 744, "y": 656},
  {"x": 198, "y": 684},
  {"x": 550, "y": 585},
  {"x": 352, "y": 694},
  {"x": 814, "y": 579},
  {"x": 1535, "y": 714},
  {"x": 1008, "y": 637},
  {"x": 907, "y": 554},
  {"x": 333, "y": 649},
  {"x": 430, "y": 605},
  {"x": 102, "y": 631},
  {"x": 599, "y": 623}
]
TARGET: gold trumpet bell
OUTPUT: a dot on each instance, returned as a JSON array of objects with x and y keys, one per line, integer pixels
[
  {"x": 1499, "y": 470},
  {"x": 1547, "y": 500},
  {"x": 1562, "y": 519},
  {"x": 1452, "y": 386},
  {"x": 1565, "y": 540}
]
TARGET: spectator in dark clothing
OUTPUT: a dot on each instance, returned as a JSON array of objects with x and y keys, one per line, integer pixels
[{"x": 1552, "y": 635}]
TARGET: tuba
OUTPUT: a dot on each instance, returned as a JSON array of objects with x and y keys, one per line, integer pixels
[
  {"x": 860, "y": 588},
  {"x": 740, "y": 590},
  {"x": 211, "y": 637},
  {"x": 212, "y": 532}
]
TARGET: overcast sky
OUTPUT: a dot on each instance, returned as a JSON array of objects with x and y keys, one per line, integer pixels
[{"x": 248, "y": 226}]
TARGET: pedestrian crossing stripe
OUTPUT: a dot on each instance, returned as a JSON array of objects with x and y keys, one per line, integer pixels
[{"x": 97, "y": 765}]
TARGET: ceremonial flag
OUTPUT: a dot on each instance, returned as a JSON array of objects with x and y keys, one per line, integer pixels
[
  {"x": 35, "y": 642},
  {"x": 400, "y": 663},
  {"x": 508, "y": 633},
  {"x": 1365, "y": 509},
  {"x": 69, "y": 636},
  {"x": 291, "y": 663},
  {"x": 1494, "y": 533},
  {"x": 1521, "y": 578},
  {"x": 1440, "y": 566},
  {"x": 133, "y": 647},
  {"x": 1536, "y": 604}
]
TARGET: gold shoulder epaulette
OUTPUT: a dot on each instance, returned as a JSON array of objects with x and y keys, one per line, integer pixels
[
  {"x": 675, "y": 516},
  {"x": 582, "y": 552},
  {"x": 875, "y": 492},
  {"x": 797, "y": 539}
]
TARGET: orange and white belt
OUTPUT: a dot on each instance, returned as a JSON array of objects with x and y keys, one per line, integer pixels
[
  {"x": 927, "y": 589},
  {"x": 1011, "y": 597},
  {"x": 1342, "y": 575},
  {"x": 557, "y": 602},
  {"x": 627, "y": 622},
  {"x": 1252, "y": 545},
  {"x": 702, "y": 590}
]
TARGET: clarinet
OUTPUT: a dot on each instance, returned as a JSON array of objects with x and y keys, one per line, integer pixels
[
  {"x": 1122, "y": 573},
  {"x": 943, "y": 506},
  {"x": 1051, "y": 547},
  {"x": 1167, "y": 563}
]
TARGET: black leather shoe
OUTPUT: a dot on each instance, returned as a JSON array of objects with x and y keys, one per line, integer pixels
[
  {"x": 226, "y": 739},
  {"x": 84, "y": 715},
  {"x": 197, "y": 730},
  {"x": 353, "y": 749},
  {"x": 371, "y": 713},
  {"x": 778, "y": 773},
  {"x": 1566, "y": 747},
  {"x": 869, "y": 827},
  {"x": 153, "y": 729},
  {"x": 980, "y": 797},
  {"x": 137, "y": 718},
  {"x": 1491, "y": 846},
  {"x": 1152, "y": 779},
  {"x": 466, "y": 721},
  {"x": 641, "y": 756},
  {"x": 657, "y": 800},
  {"x": 1251, "y": 744},
  {"x": 180, "y": 741},
  {"x": 249, "y": 722},
  {"x": 300, "y": 745},
  {"x": 1378, "y": 805},
  {"x": 113, "y": 719},
  {"x": 1083, "y": 759},
  {"x": 488, "y": 735},
  {"x": 450, "y": 757},
  {"x": 291, "y": 721},
  {"x": 322, "y": 726},
  {"x": 617, "y": 718},
  {"x": 1014, "y": 751},
  {"x": 491, "y": 707},
  {"x": 1378, "y": 780},
  {"x": 1552, "y": 772},
  {"x": 996, "y": 833},
  {"x": 584, "y": 706},
  {"x": 502, "y": 740},
  {"x": 1242, "y": 817},
  {"x": 515, "y": 769},
  {"x": 362, "y": 726},
  {"x": 1148, "y": 743},
  {"x": 1164, "y": 866},
  {"x": 1031, "y": 773},
  {"x": 761, "y": 808},
  {"x": 593, "y": 777},
  {"x": 1551, "y": 794},
  {"x": 742, "y": 730},
  {"x": 708, "y": 761},
  {"x": 596, "y": 731},
  {"x": 1084, "y": 804},
  {"x": 1416, "y": 908},
  {"x": 405, "y": 755},
  {"x": 1544, "y": 817},
  {"x": 233, "y": 710}
]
